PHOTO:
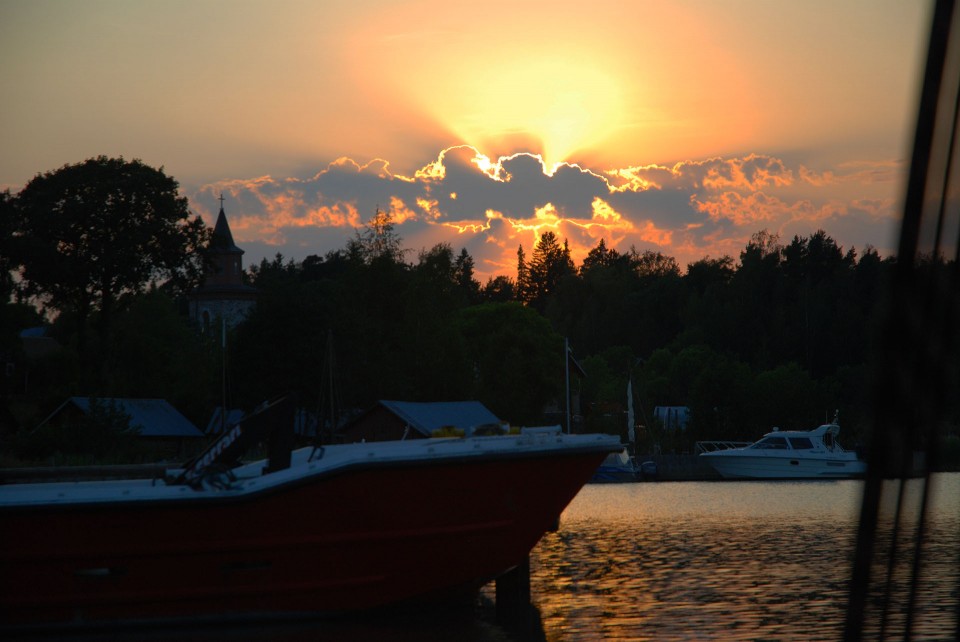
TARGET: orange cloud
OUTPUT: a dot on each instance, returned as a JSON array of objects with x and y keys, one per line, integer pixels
[
  {"x": 436, "y": 170},
  {"x": 650, "y": 233},
  {"x": 818, "y": 179},
  {"x": 862, "y": 172},
  {"x": 877, "y": 207},
  {"x": 475, "y": 226},
  {"x": 742, "y": 210},
  {"x": 751, "y": 173},
  {"x": 689, "y": 210},
  {"x": 430, "y": 207},
  {"x": 400, "y": 212},
  {"x": 639, "y": 179}
]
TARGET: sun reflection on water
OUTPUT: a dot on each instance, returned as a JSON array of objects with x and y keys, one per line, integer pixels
[{"x": 749, "y": 560}]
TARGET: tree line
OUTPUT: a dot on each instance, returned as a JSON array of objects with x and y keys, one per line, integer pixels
[{"x": 103, "y": 253}]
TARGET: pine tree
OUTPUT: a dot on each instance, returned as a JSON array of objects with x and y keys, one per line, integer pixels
[
  {"x": 523, "y": 277},
  {"x": 463, "y": 274},
  {"x": 549, "y": 263},
  {"x": 598, "y": 257}
]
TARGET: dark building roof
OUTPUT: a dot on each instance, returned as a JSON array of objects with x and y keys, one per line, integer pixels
[
  {"x": 152, "y": 417},
  {"x": 425, "y": 417}
]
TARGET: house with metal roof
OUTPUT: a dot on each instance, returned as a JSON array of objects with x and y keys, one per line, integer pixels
[
  {"x": 152, "y": 418},
  {"x": 391, "y": 420}
]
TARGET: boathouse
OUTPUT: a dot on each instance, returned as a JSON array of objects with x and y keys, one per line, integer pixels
[
  {"x": 391, "y": 420},
  {"x": 151, "y": 418}
]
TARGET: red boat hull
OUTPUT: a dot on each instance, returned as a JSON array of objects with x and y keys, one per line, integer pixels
[{"x": 349, "y": 539}]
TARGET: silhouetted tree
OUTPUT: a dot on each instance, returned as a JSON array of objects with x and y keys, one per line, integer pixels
[
  {"x": 758, "y": 320},
  {"x": 156, "y": 354},
  {"x": 437, "y": 270},
  {"x": 706, "y": 273},
  {"x": 593, "y": 307},
  {"x": 706, "y": 314},
  {"x": 334, "y": 265},
  {"x": 270, "y": 275},
  {"x": 378, "y": 240},
  {"x": 599, "y": 257},
  {"x": 102, "y": 228},
  {"x": 650, "y": 264},
  {"x": 522, "y": 289},
  {"x": 463, "y": 274},
  {"x": 8, "y": 245},
  {"x": 516, "y": 359},
  {"x": 282, "y": 346},
  {"x": 499, "y": 289},
  {"x": 549, "y": 263},
  {"x": 655, "y": 300},
  {"x": 430, "y": 349}
]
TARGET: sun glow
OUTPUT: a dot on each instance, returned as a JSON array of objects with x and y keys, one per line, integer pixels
[
  {"x": 555, "y": 105},
  {"x": 507, "y": 83}
]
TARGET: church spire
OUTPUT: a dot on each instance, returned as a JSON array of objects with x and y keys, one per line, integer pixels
[
  {"x": 222, "y": 238},
  {"x": 223, "y": 293}
]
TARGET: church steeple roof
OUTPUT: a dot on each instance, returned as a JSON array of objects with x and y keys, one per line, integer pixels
[{"x": 222, "y": 239}]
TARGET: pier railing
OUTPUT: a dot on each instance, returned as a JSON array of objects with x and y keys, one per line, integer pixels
[{"x": 713, "y": 446}]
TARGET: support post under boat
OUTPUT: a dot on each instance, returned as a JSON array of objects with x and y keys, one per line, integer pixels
[{"x": 513, "y": 594}]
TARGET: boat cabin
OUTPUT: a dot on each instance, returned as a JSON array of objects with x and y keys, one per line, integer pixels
[{"x": 824, "y": 436}]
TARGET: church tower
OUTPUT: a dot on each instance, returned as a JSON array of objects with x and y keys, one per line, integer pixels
[{"x": 223, "y": 294}]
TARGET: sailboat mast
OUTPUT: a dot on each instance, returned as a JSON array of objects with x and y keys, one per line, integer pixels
[
  {"x": 333, "y": 407},
  {"x": 566, "y": 371},
  {"x": 223, "y": 373}
]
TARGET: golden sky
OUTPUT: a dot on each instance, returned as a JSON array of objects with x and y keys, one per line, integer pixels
[{"x": 682, "y": 127}]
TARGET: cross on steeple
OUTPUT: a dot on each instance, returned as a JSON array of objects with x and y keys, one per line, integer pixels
[{"x": 221, "y": 201}]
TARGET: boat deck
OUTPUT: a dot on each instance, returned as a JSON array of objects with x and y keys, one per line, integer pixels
[{"x": 306, "y": 463}]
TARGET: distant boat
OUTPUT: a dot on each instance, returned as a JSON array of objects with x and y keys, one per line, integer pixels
[
  {"x": 329, "y": 529},
  {"x": 616, "y": 467},
  {"x": 621, "y": 466},
  {"x": 788, "y": 454}
]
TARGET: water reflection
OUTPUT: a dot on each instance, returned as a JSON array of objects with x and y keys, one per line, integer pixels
[{"x": 745, "y": 560}]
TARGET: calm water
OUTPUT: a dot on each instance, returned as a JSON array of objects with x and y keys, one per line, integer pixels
[
  {"x": 736, "y": 560},
  {"x": 679, "y": 561}
]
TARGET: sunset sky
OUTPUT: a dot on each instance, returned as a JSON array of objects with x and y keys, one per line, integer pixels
[{"x": 682, "y": 127}]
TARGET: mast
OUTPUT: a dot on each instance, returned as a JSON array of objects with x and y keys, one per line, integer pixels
[
  {"x": 566, "y": 371},
  {"x": 333, "y": 405},
  {"x": 223, "y": 373}
]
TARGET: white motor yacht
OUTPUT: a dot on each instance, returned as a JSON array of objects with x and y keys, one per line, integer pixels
[{"x": 789, "y": 454}]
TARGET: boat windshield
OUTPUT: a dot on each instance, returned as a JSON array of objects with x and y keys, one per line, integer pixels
[
  {"x": 773, "y": 443},
  {"x": 801, "y": 443}
]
